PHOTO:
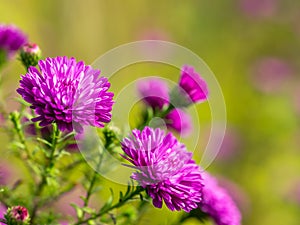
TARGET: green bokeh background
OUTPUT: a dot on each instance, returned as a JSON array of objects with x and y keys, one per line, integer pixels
[{"x": 266, "y": 162}]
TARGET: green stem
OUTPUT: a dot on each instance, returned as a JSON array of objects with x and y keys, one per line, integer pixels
[
  {"x": 142, "y": 208},
  {"x": 116, "y": 205},
  {"x": 16, "y": 120},
  {"x": 160, "y": 113},
  {"x": 48, "y": 167},
  {"x": 91, "y": 186}
]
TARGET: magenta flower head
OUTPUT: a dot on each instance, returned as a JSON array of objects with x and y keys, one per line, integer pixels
[
  {"x": 11, "y": 40},
  {"x": 17, "y": 215},
  {"x": 179, "y": 121},
  {"x": 154, "y": 92},
  {"x": 192, "y": 88},
  {"x": 218, "y": 204},
  {"x": 164, "y": 168},
  {"x": 67, "y": 93}
]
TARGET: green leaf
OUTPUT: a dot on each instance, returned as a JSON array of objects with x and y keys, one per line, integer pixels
[
  {"x": 79, "y": 211},
  {"x": 44, "y": 141}
]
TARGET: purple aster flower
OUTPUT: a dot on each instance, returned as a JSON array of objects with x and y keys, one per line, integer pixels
[
  {"x": 193, "y": 84},
  {"x": 165, "y": 168},
  {"x": 154, "y": 92},
  {"x": 68, "y": 93},
  {"x": 218, "y": 204},
  {"x": 11, "y": 39},
  {"x": 180, "y": 121}
]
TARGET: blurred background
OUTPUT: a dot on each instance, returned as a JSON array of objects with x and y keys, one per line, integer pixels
[{"x": 253, "y": 48}]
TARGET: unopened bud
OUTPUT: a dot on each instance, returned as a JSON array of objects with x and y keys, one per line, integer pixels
[
  {"x": 17, "y": 215},
  {"x": 30, "y": 55}
]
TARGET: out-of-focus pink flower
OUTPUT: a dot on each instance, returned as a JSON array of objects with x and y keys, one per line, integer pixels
[
  {"x": 193, "y": 84},
  {"x": 180, "y": 121},
  {"x": 259, "y": 8},
  {"x": 64, "y": 223},
  {"x": 153, "y": 34},
  {"x": 230, "y": 146},
  {"x": 239, "y": 196},
  {"x": 63, "y": 204},
  {"x": 218, "y": 203},
  {"x": 5, "y": 172},
  {"x": 270, "y": 74},
  {"x": 2, "y": 120},
  {"x": 293, "y": 192},
  {"x": 2, "y": 212},
  {"x": 11, "y": 39},
  {"x": 154, "y": 91}
]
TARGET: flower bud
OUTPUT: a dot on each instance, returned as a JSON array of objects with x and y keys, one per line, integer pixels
[
  {"x": 17, "y": 215},
  {"x": 192, "y": 88},
  {"x": 112, "y": 135},
  {"x": 30, "y": 55}
]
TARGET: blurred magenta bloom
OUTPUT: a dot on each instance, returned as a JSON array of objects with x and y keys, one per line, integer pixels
[
  {"x": 2, "y": 212},
  {"x": 2, "y": 119},
  {"x": 259, "y": 8},
  {"x": 218, "y": 204},
  {"x": 292, "y": 193},
  {"x": 5, "y": 172},
  {"x": 154, "y": 91},
  {"x": 165, "y": 168},
  {"x": 270, "y": 74},
  {"x": 180, "y": 121},
  {"x": 237, "y": 193},
  {"x": 11, "y": 39},
  {"x": 230, "y": 146},
  {"x": 68, "y": 93},
  {"x": 153, "y": 34},
  {"x": 193, "y": 84},
  {"x": 63, "y": 207}
]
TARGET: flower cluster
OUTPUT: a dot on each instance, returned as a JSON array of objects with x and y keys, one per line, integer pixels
[
  {"x": 165, "y": 168},
  {"x": 11, "y": 40},
  {"x": 68, "y": 93},
  {"x": 218, "y": 204},
  {"x": 71, "y": 95},
  {"x": 191, "y": 88}
]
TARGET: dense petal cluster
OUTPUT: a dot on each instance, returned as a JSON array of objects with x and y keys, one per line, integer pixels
[
  {"x": 193, "y": 84},
  {"x": 164, "y": 168},
  {"x": 154, "y": 92},
  {"x": 218, "y": 204},
  {"x": 11, "y": 39},
  {"x": 68, "y": 93},
  {"x": 180, "y": 121}
]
